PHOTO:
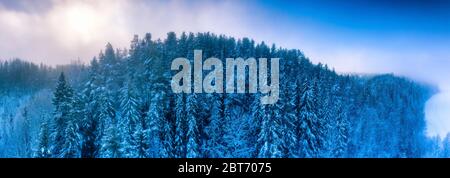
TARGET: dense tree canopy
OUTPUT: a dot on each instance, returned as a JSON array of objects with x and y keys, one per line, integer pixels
[{"x": 121, "y": 105}]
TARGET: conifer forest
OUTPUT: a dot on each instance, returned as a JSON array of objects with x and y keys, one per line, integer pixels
[{"x": 121, "y": 105}]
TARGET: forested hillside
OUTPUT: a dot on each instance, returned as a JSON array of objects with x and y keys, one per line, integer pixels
[
  {"x": 25, "y": 100},
  {"x": 121, "y": 105}
]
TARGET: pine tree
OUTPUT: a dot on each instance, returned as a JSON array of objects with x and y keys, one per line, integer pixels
[
  {"x": 292, "y": 118},
  {"x": 215, "y": 144},
  {"x": 44, "y": 141},
  {"x": 307, "y": 133},
  {"x": 90, "y": 125},
  {"x": 275, "y": 135},
  {"x": 342, "y": 135},
  {"x": 258, "y": 114},
  {"x": 264, "y": 135},
  {"x": 130, "y": 120},
  {"x": 63, "y": 103},
  {"x": 26, "y": 132},
  {"x": 180, "y": 127},
  {"x": 192, "y": 147},
  {"x": 111, "y": 142},
  {"x": 446, "y": 147},
  {"x": 109, "y": 67},
  {"x": 72, "y": 145},
  {"x": 322, "y": 110},
  {"x": 167, "y": 141},
  {"x": 141, "y": 140},
  {"x": 155, "y": 119},
  {"x": 270, "y": 135}
]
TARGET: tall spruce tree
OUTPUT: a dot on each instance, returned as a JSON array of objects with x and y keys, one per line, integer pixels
[
  {"x": 90, "y": 125},
  {"x": 71, "y": 147},
  {"x": 63, "y": 103},
  {"x": 192, "y": 147},
  {"x": 43, "y": 150},
  {"x": 131, "y": 121},
  {"x": 155, "y": 120},
  {"x": 215, "y": 144},
  {"x": 308, "y": 123},
  {"x": 180, "y": 127},
  {"x": 111, "y": 141}
]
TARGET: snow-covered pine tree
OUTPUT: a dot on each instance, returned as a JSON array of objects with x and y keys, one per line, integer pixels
[
  {"x": 129, "y": 120},
  {"x": 215, "y": 146},
  {"x": 43, "y": 150},
  {"x": 63, "y": 102},
  {"x": 342, "y": 135},
  {"x": 270, "y": 135},
  {"x": 110, "y": 68},
  {"x": 167, "y": 140},
  {"x": 281, "y": 109},
  {"x": 111, "y": 142},
  {"x": 321, "y": 110},
  {"x": 71, "y": 148},
  {"x": 264, "y": 134},
  {"x": 274, "y": 136},
  {"x": 90, "y": 125},
  {"x": 26, "y": 129},
  {"x": 292, "y": 117},
  {"x": 192, "y": 110},
  {"x": 258, "y": 114},
  {"x": 180, "y": 126},
  {"x": 307, "y": 132},
  {"x": 155, "y": 119},
  {"x": 325, "y": 120},
  {"x": 141, "y": 140},
  {"x": 445, "y": 153},
  {"x": 73, "y": 142}
]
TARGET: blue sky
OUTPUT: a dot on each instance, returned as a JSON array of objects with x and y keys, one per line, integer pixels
[
  {"x": 386, "y": 16},
  {"x": 405, "y": 37}
]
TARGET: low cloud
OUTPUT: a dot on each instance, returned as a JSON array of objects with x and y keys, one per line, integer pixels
[
  {"x": 428, "y": 64},
  {"x": 71, "y": 30}
]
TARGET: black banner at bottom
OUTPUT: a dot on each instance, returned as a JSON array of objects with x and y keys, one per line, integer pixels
[{"x": 216, "y": 167}]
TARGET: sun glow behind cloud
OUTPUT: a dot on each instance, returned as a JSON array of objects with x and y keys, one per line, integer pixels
[
  {"x": 81, "y": 21},
  {"x": 68, "y": 30}
]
